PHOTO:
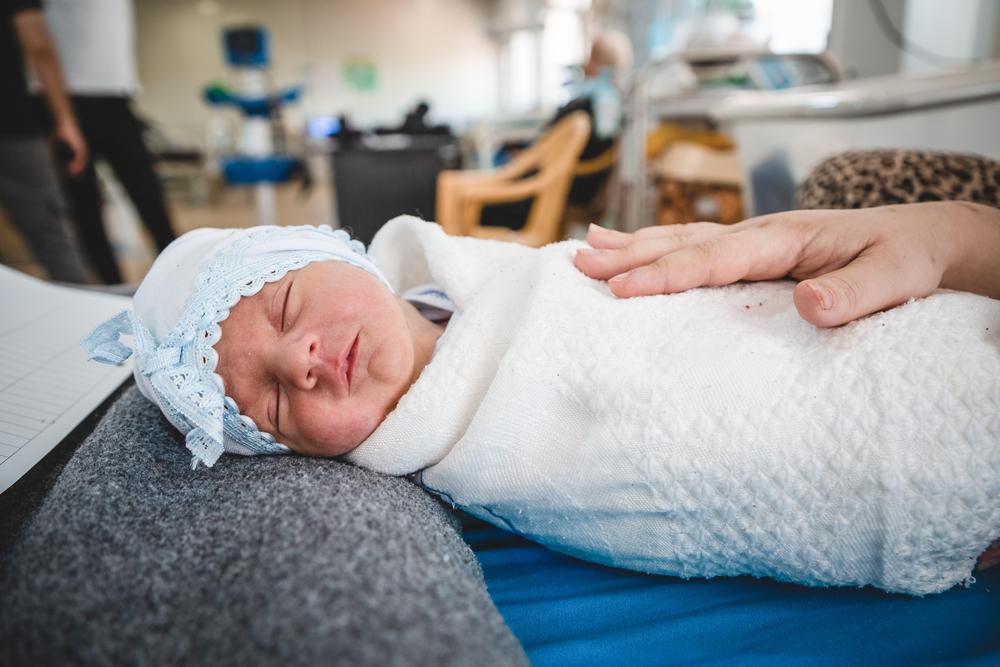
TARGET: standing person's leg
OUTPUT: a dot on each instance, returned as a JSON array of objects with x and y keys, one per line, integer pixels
[
  {"x": 30, "y": 195},
  {"x": 84, "y": 194},
  {"x": 132, "y": 162},
  {"x": 87, "y": 206}
]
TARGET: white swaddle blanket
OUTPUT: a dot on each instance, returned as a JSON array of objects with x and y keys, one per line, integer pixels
[{"x": 707, "y": 433}]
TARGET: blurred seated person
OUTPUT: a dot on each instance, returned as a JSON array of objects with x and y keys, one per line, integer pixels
[
  {"x": 597, "y": 95},
  {"x": 415, "y": 123},
  {"x": 347, "y": 135}
]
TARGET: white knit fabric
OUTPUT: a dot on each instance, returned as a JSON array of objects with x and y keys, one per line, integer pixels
[{"x": 701, "y": 434}]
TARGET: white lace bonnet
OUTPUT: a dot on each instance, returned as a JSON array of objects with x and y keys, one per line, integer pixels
[{"x": 174, "y": 322}]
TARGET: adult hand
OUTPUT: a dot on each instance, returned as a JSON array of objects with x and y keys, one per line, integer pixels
[
  {"x": 68, "y": 134},
  {"x": 990, "y": 557},
  {"x": 851, "y": 263}
]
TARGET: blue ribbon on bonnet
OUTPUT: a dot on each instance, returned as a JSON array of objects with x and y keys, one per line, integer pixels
[{"x": 163, "y": 366}]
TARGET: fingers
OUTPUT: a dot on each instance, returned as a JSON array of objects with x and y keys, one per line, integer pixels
[
  {"x": 603, "y": 264},
  {"x": 615, "y": 252},
  {"x": 990, "y": 557},
  {"x": 719, "y": 260},
  {"x": 708, "y": 254},
  {"x": 873, "y": 281},
  {"x": 604, "y": 238},
  {"x": 79, "y": 161},
  {"x": 68, "y": 135}
]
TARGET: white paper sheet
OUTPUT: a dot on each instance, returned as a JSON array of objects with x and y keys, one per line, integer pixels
[{"x": 47, "y": 386}]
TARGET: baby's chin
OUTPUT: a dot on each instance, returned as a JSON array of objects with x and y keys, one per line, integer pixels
[
  {"x": 342, "y": 438},
  {"x": 329, "y": 450},
  {"x": 325, "y": 450}
]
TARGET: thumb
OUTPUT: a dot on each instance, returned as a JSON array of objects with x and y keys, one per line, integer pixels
[{"x": 870, "y": 283}]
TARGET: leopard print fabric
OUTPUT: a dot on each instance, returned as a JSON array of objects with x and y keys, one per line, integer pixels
[{"x": 862, "y": 179}]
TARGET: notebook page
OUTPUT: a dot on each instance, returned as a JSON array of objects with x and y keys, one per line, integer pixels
[{"x": 47, "y": 386}]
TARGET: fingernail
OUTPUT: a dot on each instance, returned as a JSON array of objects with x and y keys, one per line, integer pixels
[
  {"x": 586, "y": 252},
  {"x": 621, "y": 277},
  {"x": 594, "y": 226},
  {"x": 824, "y": 295}
]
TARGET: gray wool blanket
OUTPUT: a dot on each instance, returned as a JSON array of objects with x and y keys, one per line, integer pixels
[{"x": 133, "y": 558}]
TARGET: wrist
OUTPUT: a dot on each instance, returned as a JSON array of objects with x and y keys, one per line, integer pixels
[
  {"x": 66, "y": 124},
  {"x": 975, "y": 231}
]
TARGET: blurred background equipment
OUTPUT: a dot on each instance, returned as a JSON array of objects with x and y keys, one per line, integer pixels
[
  {"x": 260, "y": 161},
  {"x": 676, "y": 99},
  {"x": 380, "y": 176},
  {"x": 725, "y": 107},
  {"x": 696, "y": 182},
  {"x": 782, "y": 137}
]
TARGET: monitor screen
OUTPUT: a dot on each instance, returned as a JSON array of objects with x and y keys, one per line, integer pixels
[
  {"x": 246, "y": 46},
  {"x": 321, "y": 127}
]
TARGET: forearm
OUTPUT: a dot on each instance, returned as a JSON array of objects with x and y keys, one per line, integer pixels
[
  {"x": 41, "y": 57},
  {"x": 48, "y": 73},
  {"x": 977, "y": 268}
]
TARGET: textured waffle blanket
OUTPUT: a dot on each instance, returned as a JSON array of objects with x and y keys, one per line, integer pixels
[{"x": 701, "y": 434}]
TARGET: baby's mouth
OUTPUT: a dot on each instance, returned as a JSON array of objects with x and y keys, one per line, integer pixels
[{"x": 352, "y": 358}]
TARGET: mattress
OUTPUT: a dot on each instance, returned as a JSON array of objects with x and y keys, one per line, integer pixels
[{"x": 569, "y": 612}]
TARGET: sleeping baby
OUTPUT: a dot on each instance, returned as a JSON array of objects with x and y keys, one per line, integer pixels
[{"x": 706, "y": 433}]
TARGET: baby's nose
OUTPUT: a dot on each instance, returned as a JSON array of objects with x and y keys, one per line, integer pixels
[{"x": 301, "y": 362}]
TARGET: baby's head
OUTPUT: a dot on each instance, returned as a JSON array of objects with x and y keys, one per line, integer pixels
[
  {"x": 267, "y": 340},
  {"x": 318, "y": 358}
]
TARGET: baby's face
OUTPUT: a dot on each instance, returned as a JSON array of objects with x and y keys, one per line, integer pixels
[{"x": 319, "y": 358}]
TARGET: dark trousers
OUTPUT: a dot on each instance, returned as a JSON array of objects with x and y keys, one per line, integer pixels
[
  {"x": 30, "y": 195},
  {"x": 114, "y": 134}
]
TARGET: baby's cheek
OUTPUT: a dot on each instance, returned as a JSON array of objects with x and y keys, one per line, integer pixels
[
  {"x": 346, "y": 431},
  {"x": 332, "y": 431},
  {"x": 363, "y": 423}
]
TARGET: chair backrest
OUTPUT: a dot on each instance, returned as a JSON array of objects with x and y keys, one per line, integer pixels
[
  {"x": 587, "y": 208},
  {"x": 557, "y": 153},
  {"x": 598, "y": 163},
  {"x": 542, "y": 172}
]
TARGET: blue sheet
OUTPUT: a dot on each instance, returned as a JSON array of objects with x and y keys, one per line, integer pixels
[{"x": 568, "y": 612}]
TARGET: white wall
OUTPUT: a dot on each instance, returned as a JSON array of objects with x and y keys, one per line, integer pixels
[
  {"x": 432, "y": 49},
  {"x": 857, "y": 41},
  {"x": 996, "y": 37},
  {"x": 959, "y": 31}
]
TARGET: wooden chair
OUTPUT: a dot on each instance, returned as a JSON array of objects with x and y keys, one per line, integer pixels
[
  {"x": 543, "y": 172},
  {"x": 593, "y": 210}
]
